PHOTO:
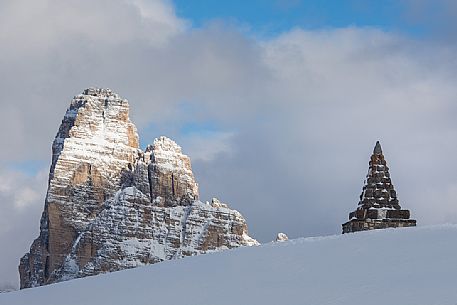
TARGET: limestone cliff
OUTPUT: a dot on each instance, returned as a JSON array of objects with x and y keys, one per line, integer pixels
[{"x": 111, "y": 206}]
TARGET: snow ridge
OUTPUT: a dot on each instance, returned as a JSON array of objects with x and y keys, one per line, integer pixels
[{"x": 409, "y": 266}]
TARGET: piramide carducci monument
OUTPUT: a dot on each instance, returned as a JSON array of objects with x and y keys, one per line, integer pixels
[{"x": 378, "y": 207}]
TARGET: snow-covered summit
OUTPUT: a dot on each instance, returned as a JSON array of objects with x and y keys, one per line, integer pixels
[
  {"x": 100, "y": 92},
  {"x": 111, "y": 206},
  {"x": 164, "y": 144}
]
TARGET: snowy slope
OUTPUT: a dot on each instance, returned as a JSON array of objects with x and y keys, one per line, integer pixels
[{"x": 396, "y": 266}]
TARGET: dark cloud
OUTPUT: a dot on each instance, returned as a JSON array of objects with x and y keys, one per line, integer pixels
[{"x": 285, "y": 126}]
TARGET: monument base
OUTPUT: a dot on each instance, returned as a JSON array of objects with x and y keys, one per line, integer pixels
[{"x": 356, "y": 225}]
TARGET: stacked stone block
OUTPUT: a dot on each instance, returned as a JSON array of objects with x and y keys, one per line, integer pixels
[{"x": 379, "y": 207}]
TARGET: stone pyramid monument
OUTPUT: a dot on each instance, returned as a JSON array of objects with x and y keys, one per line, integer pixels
[{"x": 378, "y": 206}]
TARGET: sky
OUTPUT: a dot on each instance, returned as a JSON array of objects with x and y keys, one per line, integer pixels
[
  {"x": 278, "y": 103},
  {"x": 271, "y": 17}
]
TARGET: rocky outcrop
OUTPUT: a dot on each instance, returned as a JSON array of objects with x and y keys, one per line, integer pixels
[
  {"x": 111, "y": 206},
  {"x": 281, "y": 237},
  {"x": 379, "y": 207}
]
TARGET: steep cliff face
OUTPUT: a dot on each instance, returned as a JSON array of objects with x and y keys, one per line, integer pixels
[{"x": 111, "y": 206}]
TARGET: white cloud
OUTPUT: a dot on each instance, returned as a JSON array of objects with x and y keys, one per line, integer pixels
[
  {"x": 207, "y": 146},
  {"x": 15, "y": 188},
  {"x": 21, "y": 204},
  {"x": 42, "y": 25}
]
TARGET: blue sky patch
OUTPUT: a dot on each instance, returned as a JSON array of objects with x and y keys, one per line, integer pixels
[{"x": 270, "y": 17}]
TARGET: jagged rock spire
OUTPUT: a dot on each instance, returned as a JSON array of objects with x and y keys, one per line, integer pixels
[
  {"x": 111, "y": 206},
  {"x": 378, "y": 206},
  {"x": 170, "y": 174}
]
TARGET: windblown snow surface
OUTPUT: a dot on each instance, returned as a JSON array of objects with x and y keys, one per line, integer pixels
[{"x": 395, "y": 266}]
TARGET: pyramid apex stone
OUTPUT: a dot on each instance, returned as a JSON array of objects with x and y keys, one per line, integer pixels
[{"x": 377, "y": 149}]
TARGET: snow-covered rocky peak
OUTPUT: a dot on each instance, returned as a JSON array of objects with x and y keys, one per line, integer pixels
[
  {"x": 100, "y": 92},
  {"x": 171, "y": 181},
  {"x": 99, "y": 115},
  {"x": 165, "y": 145},
  {"x": 96, "y": 125},
  {"x": 111, "y": 206}
]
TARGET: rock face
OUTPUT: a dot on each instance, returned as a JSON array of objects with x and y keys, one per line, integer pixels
[
  {"x": 378, "y": 206},
  {"x": 111, "y": 206}
]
